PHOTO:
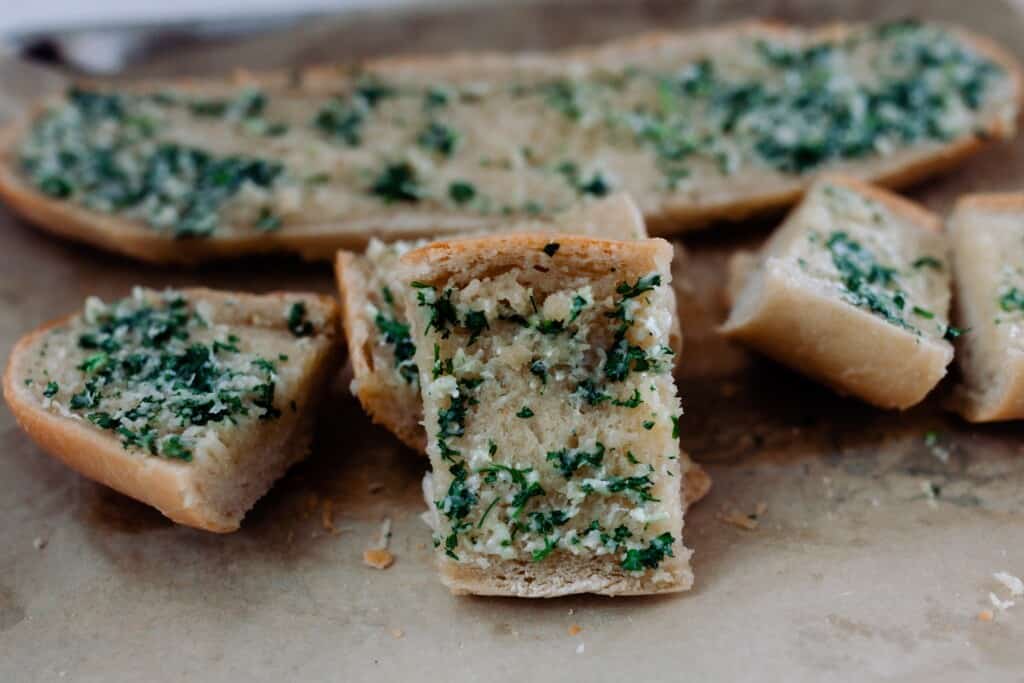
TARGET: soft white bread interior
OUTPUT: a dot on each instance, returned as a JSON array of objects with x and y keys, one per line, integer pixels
[
  {"x": 987, "y": 235},
  {"x": 373, "y": 299},
  {"x": 853, "y": 290},
  {"x": 193, "y": 401},
  {"x": 551, "y": 414},
  {"x": 701, "y": 126}
]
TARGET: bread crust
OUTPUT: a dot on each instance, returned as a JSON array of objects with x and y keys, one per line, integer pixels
[
  {"x": 318, "y": 242},
  {"x": 159, "y": 482}
]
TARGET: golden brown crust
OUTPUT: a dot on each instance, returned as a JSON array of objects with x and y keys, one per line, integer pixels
[
  {"x": 998, "y": 202},
  {"x": 467, "y": 259},
  {"x": 601, "y": 576},
  {"x": 96, "y": 455},
  {"x": 321, "y": 241}
]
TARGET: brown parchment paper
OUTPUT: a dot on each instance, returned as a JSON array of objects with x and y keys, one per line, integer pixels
[{"x": 874, "y": 544}]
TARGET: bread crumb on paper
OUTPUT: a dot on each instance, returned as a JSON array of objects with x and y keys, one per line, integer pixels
[
  {"x": 378, "y": 558},
  {"x": 1001, "y": 605},
  {"x": 327, "y": 517},
  {"x": 575, "y": 630},
  {"x": 39, "y": 542},
  {"x": 1014, "y": 584},
  {"x": 986, "y": 615},
  {"x": 397, "y": 633},
  {"x": 745, "y": 521},
  {"x": 580, "y": 648}
]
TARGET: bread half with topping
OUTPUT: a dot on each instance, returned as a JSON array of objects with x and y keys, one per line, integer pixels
[
  {"x": 987, "y": 235},
  {"x": 852, "y": 290},
  {"x": 551, "y": 414},
  {"x": 192, "y": 401},
  {"x": 373, "y": 300},
  {"x": 710, "y": 125}
]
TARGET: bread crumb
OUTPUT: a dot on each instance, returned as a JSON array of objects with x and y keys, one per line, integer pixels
[
  {"x": 39, "y": 542},
  {"x": 572, "y": 611},
  {"x": 385, "y": 533},
  {"x": 931, "y": 493},
  {"x": 575, "y": 630},
  {"x": 378, "y": 558},
  {"x": 747, "y": 522},
  {"x": 579, "y": 649},
  {"x": 1001, "y": 605},
  {"x": 986, "y": 615},
  {"x": 327, "y": 517},
  {"x": 397, "y": 633},
  {"x": 1012, "y": 583},
  {"x": 375, "y": 487}
]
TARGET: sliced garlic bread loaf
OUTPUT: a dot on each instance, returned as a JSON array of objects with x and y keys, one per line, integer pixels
[
  {"x": 852, "y": 290},
  {"x": 713, "y": 124},
  {"x": 987, "y": 234},
  {"x": 193, "y": 401},
  {"x": 551, "y": 414}
]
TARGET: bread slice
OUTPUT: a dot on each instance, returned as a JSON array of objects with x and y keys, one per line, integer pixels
[
  {"x": 852, "y": 290},
  {"x": 373, "y": 302},
  {"x": 987, "y": 235},
  {"x": 193, "y": 401},
  {"x": 713, "y": 124},
  {"x": 552, "y": 414}
]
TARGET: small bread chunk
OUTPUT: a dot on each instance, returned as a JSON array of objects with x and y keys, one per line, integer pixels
[
  {"x": 193, "y": 401},
  {"x": 551, "y": 414},
  {"x": 373, "y": 311},
  {"x": 987, "y": 233},
  {"x": 852, "y": 290}
]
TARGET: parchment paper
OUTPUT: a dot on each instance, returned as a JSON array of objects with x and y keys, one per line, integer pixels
[{"x": 874, "y": 547}]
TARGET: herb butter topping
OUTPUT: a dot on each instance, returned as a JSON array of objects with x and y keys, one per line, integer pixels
[
  {"x": 874, "y": 261},
  {"x": 508, "y": 495},
  {"x": 156, "y": 372},
  {"x": 768, "y": 102}
]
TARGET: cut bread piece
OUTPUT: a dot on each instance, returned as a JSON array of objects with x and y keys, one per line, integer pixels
[
  {"x": 373, "y": 302},
  {"x": 713, "y": 124},
  {"x": 852, "y": 290},
  {"x": 987, "y": 234},
  {"x": 551, "y": 414},
  {"x": 193, "y": 401}
]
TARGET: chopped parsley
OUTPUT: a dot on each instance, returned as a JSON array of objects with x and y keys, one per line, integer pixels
[
  {"x": 297, "y": 323},
  {"x": 524, "y": 412},
  {"x": 568, "y": 460},
  {"x": 438, "y": 138},
  {"x": 51, "y": 389},
  {"x": 650, "y": 557},
  {"x": 398, "y": 183}
]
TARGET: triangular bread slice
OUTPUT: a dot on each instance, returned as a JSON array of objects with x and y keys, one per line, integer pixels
[
  {"x": 193, "y": 401},
  {"x": 852, "y": 290},
  {"x": 987, "y": 234},
  {"x": 552, "y": 414}
]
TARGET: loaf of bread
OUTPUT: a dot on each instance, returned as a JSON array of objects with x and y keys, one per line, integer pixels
[
  {"x": 852, "y": 290},
  {"x": 551, "y": 414},
  {"x": 193, "y": 401},
  {"x": 987, "y": 235},
  {"x": 715, "y": 124}
]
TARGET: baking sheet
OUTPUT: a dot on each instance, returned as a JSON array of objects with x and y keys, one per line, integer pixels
[{"x": 872, "y": 556}]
